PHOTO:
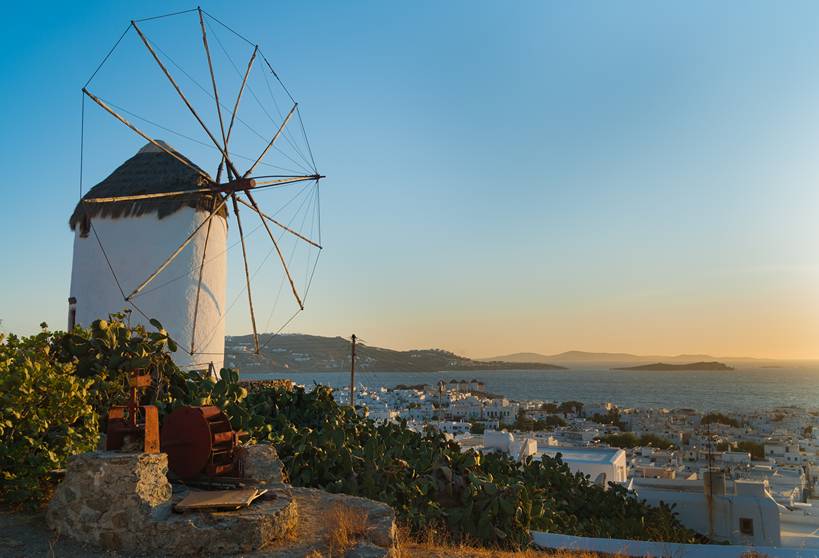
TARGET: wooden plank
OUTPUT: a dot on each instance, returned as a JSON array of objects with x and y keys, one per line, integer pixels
[{"x": 219, "y": 499}]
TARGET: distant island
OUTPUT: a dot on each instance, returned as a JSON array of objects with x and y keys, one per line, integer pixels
[
  {"x": 586, "y": 359},
  {"x": 661, "y": 366},
  {"x": 312, "y": 353}
]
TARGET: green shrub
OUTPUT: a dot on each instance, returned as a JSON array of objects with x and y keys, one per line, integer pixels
[
  {"x": 432, "y": 485},
  {"x": 45, "y": 416},
  {"x": 55, "y": 387}
]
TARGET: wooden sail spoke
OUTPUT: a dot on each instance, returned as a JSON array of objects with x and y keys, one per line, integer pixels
[
  {"x": 285, "y": 180},
  {"x": 247, "y": 273},
  {"x": 136, "y": 197},
  {"x": 199, "y": 287},
  {"x": 276, "y": 245},
  {"x": 239, "y": 96},
  {"x": 242, "y": 184},
  {"x": 176, "y": 252},
  {"x": 212, "y": 77},
  {"x": 272, "y": 141},
  {"x": 278, "y": 224},
  {"x": 236, "y": 106},
  {"x": 184, "y": 98},
  {"x": 173, "y": 153}
]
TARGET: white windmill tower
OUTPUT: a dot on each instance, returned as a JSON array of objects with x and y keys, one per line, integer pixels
[
  {"x": 152, "y": 235},
  {"x": 135, "y": 232}
]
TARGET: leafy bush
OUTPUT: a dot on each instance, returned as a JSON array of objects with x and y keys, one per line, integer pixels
[
  {"x": 55, "y": 389},
  {"x": 571, "y": 407},
  {"x": 612, "y": 417},
  {"x": 526, "y": 424},
  {"x": 45, "y": 416},
  {"x": 56, "y": 386},
  {"x": 432, "y": 485}
]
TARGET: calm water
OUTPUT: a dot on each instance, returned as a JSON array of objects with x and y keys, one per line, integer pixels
[{"x": 739, "y": 390}]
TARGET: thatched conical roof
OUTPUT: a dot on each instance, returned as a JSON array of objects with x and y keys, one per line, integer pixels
[{"x": 150, "y": 171}]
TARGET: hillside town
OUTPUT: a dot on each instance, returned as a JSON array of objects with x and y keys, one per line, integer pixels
[{"x": 748, "y": 478}]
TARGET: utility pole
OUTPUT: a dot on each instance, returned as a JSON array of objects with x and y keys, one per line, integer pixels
[{"x": 352, "y": 374}]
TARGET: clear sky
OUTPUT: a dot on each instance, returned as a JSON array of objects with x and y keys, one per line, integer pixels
[{"x": 502, "y": 176}]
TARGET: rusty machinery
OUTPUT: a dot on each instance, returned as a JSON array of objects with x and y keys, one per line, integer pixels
[
  {"x": 128, "y": 423},
  {"x": 200, "y": 441}
]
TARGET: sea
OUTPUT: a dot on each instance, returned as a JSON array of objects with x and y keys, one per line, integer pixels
[{"x": 740, "y": 390}]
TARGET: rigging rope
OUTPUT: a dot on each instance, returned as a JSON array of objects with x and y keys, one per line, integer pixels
[
  {"x": 281, "y": 115},
  {"x": 107, "y": 56},
  {"x": 189, "y": 138},
  {"x": 228, "y": 110},
  {"x": 244, "y": 288},
  {"x": 166, "y": 15},
  {"x": 253, "y": 93}
]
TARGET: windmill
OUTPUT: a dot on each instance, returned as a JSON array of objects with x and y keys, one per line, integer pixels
[{"x": 152, "y": 236}]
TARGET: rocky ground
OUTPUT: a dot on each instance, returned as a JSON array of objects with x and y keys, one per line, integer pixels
[
  {"x": 25, "y": 535},
  {"x": 122, "y": 504}
]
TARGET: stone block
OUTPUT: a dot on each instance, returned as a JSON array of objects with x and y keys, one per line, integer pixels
[{"x": 261, "y": 463}]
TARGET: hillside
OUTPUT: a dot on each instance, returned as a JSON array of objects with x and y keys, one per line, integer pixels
[
  {"x": 313, "y": 353},
  {"x": 661, "y": 366}
]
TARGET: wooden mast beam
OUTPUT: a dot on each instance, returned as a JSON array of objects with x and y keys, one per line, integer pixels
[
  {"x": 236, "y": 104},
  {"x": 285, "y": 180},
  {"x": 247, "y": 273},
  {"x": 212, "y": 76},
  {"x": 278, "y": 249},
  {"x": 272, "y": 141},
  {"x": 218, "y": 172},
  {"x": 285, "y": 227},
  {"x": 199, "y": 287},
  {"x": 182, "y": 96},
  {"x": 243, "y": 184},
  {"x": 139, "y": 132},
  {"x": 176, "y": 252}
]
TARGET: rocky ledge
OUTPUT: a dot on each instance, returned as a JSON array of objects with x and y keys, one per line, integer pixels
[{"x": 123, "y": 502}]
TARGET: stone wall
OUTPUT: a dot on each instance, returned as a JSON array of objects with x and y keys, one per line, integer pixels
[
  {"x": 123, "y": 501},
  {"x": 110, "y": 498}
]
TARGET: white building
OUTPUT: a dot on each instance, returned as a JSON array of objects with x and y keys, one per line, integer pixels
[
  {"x": 745, "y": 514},
  {"x": 594, "y": 462},
  {"x": 452, "y": 427},
  {"x": 503, "y": 442},
  {"x": 503, "y": 410},
  {"x": 137, "y": 237}
]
